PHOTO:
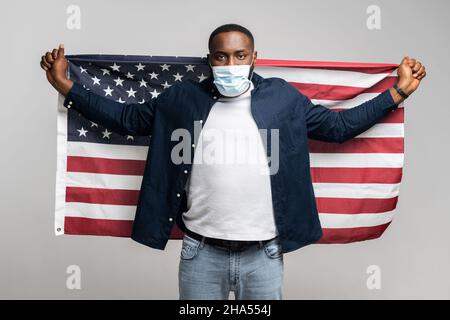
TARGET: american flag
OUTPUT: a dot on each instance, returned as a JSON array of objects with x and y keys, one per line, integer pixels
[{"x": 99, "y": 172}]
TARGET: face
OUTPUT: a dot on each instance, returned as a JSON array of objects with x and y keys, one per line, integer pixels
[{"x": 231, "y": 48}]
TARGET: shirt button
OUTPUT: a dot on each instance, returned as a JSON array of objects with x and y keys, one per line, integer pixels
[
  {"x": 185, "y": 171},
  {"x": 178, "y": 195},
  {"x": 215, "y": 97},
  {"x": 70, "y": 102},
  {"x": 193, "y": 145},
  {"x": 201, "y": 121},
  {"x": 170, "y": 219}
]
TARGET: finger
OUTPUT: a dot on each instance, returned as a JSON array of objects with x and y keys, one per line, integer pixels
[
  {"x": 55, "y": 54},
  {"x": 422, "y": 76},
  {"x": 45, "y": 63},
  {"x": 412, "y": 62},
  {"x": 48, "y": 58},
  {"x": 61, "y": 50},
  {"x": 43, "y": 66},
  {"x": 419, "y": 72},
  {"x": 416, "y": 67},
  {"x": 405, "y": 60}
]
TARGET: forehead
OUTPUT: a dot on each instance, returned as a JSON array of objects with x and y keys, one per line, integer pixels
[{"x": 231, "y": 41}]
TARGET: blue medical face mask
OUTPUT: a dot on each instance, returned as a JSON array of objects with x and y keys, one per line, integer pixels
[{"x": 232, "y": 81}]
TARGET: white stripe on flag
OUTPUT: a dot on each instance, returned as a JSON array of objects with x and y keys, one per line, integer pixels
[
  {"x": 349, "y": 103},
  {"x": 356, "y": 190},
  {"x": 110, "y": 151},
  {"x": 108, "y": 181},
  {"x": 100, "y": 211},
  {"x": 356, "y": 160},
  {"x": 384, "y": 130},
  {"x": 336, "y": 220},
  {"x": 326, "y": 77}
]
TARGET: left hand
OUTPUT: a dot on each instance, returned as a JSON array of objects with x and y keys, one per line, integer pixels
[{"x": 410, "y": 74}]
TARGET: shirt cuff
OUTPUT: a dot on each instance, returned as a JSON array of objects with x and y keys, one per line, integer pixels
[
  {"x": 76, "y": 97},
  {"x": 387, "y": 100}
]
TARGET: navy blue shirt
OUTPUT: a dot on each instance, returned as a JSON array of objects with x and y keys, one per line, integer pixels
[{"x": 275, "y": 104}]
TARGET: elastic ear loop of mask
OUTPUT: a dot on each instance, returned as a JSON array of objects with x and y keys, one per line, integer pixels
[{"x": 253, "y": 69}]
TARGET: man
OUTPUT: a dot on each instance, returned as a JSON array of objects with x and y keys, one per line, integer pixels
[{"x": 238, "y": 218}]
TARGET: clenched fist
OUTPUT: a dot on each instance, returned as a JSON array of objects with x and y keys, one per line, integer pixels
[
  {"x": 410, "y": 73},
  {"x": 55, "y": 65}
]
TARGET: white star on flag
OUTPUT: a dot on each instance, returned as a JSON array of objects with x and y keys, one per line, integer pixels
[
  {"x": 142, "y": 83},
  {"x": 165, "y": 67},
  {"x": 118, "y": 82},
  {"x": 166, "y": 85},
  {"x": 106, "y": 134},
  {"x": 96, "y": 80},
  {"x": 131, "y": 92},
  {"x": 82, "y": 132},
  {"x": 140, "y": 67},
  {"x": 154, "y": 93},
  {"x": 201, "y": 77},
  {"x": 115, "y": 67},
  {"x": 178, "y": 77},
  {"x": 153, "y": 75},
  {"x": 108, "y": 91}
]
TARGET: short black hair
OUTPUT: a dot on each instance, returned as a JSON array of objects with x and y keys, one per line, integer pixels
[{"x": 230, "y": 27}]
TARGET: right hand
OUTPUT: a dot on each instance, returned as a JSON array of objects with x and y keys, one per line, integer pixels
[{"x": 55, "y": 66}]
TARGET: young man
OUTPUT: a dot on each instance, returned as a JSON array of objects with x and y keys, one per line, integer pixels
[{"x": 238, "y": 218}]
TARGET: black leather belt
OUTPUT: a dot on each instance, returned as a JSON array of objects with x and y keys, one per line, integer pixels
[{"x": 228, "y": 244}]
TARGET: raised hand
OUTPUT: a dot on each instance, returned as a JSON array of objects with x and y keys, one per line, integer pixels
[
  {"x": 410, "y": 73},
  {"x": 55, "y": 66}
]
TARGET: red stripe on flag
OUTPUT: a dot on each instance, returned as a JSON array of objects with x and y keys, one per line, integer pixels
[
  {"x": 355, "y": 206},
  {"x": 97, "y": 227},
  {"x": 336, "y": 92},
  {"x": 346, "y": 235},
  {"x": 325, "y": 205},
  {"x": 176, "y": 233},
  {"x": 105, "y": 227},
  {"x": 358, "y": 145},
  {"x": 106, "y": 166},
  {"x": 102, "y": 196},
  {"x": 356, "y": 175}
]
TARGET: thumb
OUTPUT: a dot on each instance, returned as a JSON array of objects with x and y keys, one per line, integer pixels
[
  {"x": 61, "y": 51},
  {"x": 405, "y": 60}
]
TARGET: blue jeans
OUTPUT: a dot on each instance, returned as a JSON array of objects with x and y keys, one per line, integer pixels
[{"x": 211, "y": 272}]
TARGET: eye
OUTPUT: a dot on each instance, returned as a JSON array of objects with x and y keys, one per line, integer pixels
[
  {"x": 220, "y": 57},
  {"x": 241, "y": 56}
]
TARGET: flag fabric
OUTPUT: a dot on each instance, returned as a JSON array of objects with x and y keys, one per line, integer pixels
[{"x": 99, "y": 172}]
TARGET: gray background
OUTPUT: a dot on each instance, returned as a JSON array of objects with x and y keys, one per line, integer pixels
[{"x": 413, "y": 254}]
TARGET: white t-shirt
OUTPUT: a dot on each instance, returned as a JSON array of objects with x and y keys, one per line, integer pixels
[{"x": 228, "y": 192}]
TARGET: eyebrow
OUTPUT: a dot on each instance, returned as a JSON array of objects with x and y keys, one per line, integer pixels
[{"x": 219, "y": 51}]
